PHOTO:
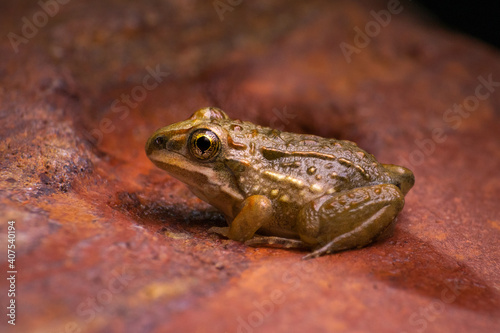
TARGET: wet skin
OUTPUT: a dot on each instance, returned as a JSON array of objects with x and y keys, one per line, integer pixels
[{"x": 282, "y": 189}]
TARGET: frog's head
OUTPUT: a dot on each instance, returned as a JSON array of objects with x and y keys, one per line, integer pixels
[
  {"x": 192, "y": 150},
  {"x": 401, "y": 176}
]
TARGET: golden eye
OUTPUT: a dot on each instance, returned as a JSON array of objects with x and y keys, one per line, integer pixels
[{"x": 204, "y": 144}]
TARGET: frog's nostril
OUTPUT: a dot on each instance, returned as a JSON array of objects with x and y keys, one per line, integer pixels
[{"x": 159, "y": 141}]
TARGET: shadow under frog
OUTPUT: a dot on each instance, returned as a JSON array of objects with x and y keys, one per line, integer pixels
[{"x": 407, "y": 262}]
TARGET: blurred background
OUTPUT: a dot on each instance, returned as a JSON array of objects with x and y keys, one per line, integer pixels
[{"x": 476, "y": 19}]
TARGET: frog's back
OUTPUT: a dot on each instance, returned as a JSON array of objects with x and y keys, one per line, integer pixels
[{"x": 298, "y": 165}]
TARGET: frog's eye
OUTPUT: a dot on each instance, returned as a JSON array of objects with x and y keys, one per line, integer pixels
[{"x": 204, "y": 144}]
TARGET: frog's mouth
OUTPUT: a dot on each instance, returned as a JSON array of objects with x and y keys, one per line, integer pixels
[
  {"x": 201, "y": 177},
  {"x": 181, "y": 168}
]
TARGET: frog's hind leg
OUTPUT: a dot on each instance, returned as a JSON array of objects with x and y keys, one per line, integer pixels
[
  {"x": 349, "y": 219},
  {"x": 279, "y": 242},
  {"x": 349, "y": 239}
]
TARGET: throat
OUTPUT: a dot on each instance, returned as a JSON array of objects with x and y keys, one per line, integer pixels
[{"x": 224, "y": 198}]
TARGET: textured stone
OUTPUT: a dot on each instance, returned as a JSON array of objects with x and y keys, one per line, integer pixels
[{"x": 106, "y": 242}]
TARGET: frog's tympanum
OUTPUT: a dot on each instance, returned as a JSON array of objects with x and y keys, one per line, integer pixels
[{"x": 282, "y": 189}]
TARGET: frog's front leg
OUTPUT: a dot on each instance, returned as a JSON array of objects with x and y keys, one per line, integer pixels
[
  {"x": 349, "y": 219},
  {"x": 256, "y": 211}
]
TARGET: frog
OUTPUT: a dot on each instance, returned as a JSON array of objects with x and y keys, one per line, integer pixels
[{"x": 282, "y": 189}]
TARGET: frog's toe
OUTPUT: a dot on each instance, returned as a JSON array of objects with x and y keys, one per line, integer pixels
[
  {"x": 310, "y": 256},
  {"x": 223, "y": 231},
  {"x": 278, "y": 242},
  {"x": 317, "y": 253}
]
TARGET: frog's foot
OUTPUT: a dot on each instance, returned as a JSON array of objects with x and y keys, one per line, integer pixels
[
  {"x": 279, "y": 242},
  {"x": 223, "y": 231},
  {"x": 350, "y": 219}
]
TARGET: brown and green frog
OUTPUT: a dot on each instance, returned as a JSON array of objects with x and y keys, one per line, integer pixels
[{"x": 282, "y": 189}]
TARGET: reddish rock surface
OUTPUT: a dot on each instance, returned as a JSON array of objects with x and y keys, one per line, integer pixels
[{"x": 106, "y": 242}]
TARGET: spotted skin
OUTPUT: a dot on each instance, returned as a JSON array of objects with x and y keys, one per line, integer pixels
[{"x": 277, "y": 188}]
